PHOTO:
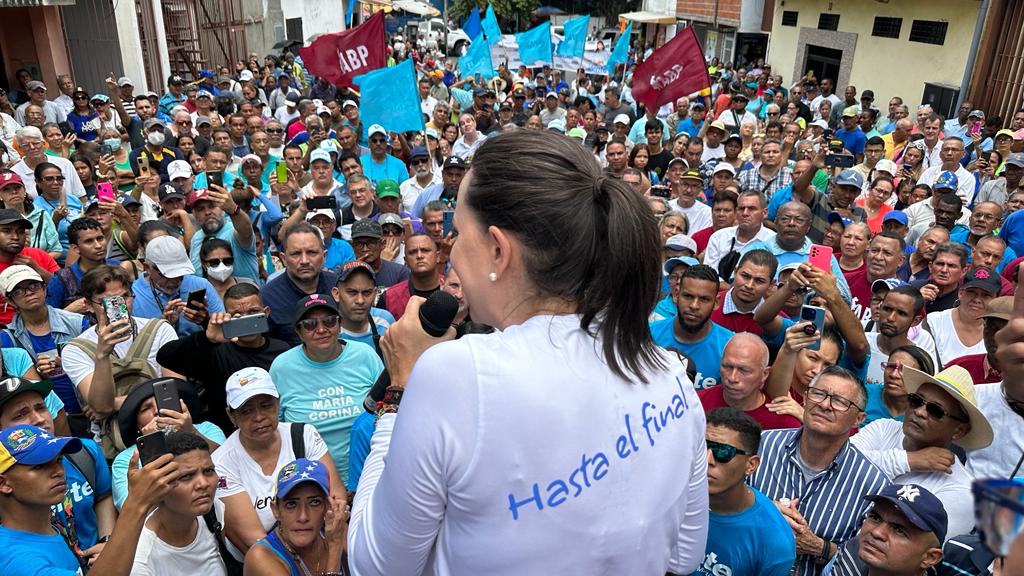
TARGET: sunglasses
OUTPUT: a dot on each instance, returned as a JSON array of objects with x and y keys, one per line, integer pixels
[
  {"x": 724, "y": 453},
  {"x": 419, "y": 161},
  {"x": 934, "y": 409},
  {"x": 53, "y": 178},
  {"x": 378, "y": 141},
  {"x": 229, "y": 261},
  {"x": 81, "y": 98},
  {"x": 311, "y": 324},
  {"x": 275, "y": 130}
]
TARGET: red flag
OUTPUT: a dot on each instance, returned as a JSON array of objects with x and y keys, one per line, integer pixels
[
  {"x": 675, "y": 69},
  {"x": 342, "y": 56}
]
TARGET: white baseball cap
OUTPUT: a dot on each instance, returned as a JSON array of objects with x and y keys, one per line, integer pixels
[
  {"x": 179, "y": 169},
  {"x": 320, "y": 154},
  {"x": 887, "y": 166},
  {"x": 321, "y": 212},
  {"x": 678, "y": 242},
  {"x": 622, "y": 119},
  {"x": 14, "y": 275},
  {"x": 820, "y": 124},
  {"x": 168, "y": 255},
  {"x": 348, "y": 103},
  {"x": 245, "y": 76},
  {"x": 724, "y": 167},
  {"x": 247, "y": 383},
  {"x": 376, "y": 129}
]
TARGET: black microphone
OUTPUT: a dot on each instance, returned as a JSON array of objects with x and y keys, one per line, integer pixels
[{"x": 436, "y": 316}]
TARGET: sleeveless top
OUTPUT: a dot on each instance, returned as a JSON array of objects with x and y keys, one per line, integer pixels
[{"x": 274, "y": 543}]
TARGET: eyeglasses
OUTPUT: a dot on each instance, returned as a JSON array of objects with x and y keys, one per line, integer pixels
[
  {"x": 895, "y": 367},
  {"x": 675, "y": 278},
  {"x": 275, "y": 130},
  {"x": 26, "y": 288},
  {"x": 378, "y": 141},
  {"x": 393, "y": 231},
  {"x": 835, "y": 401},
  {"x": 999, "y": 509},
  {"x": 311, "y": 324},
  {"x": 419, "y": 161},
  {"x": 724, "y": 453},
  {"x": 773, "y": 113},
  {"x": 934, "y": 409},
  {"x": 53, "y": 178},
  {"x": 214, "y": 262}
]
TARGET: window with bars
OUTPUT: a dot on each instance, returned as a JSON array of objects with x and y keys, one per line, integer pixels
[
  {"x": 789, "y": 17},
  {"x": 828, "y": 21},
  {"x": 886, "y": 27},
  {"x": 929, "y": 32}
]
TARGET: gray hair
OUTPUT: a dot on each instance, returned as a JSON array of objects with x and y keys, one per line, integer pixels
[
  {"x": 28, "y": 132},
  {"x": 844, "y": 374},
  {"x": 674, "y": 214}
]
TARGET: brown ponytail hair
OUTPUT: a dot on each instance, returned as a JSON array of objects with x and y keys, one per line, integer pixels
[{"x": 588, "y": 239}]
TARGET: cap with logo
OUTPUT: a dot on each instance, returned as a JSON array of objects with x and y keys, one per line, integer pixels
[
  {"x": 671, "y": 263},
  {"x": 957, "y": 382},
  {"x": 321, "y": 212},
  {"x": 887, "y": 166},
  {"x": 307, "y": 304},
  {"x": 101, "y": 98},
  {"x": 391, "y": 219},
  {"x": 252, "y": 159},
  {"x": 179, "y": 169},
  {"x": 454, "y": 162},
  {"x": 922, "y": 508},
  {"x": 353, "y": 266},
  {"x": 681, "y": 242},
  {"x": 245, "y": 76},
  {"x": 386, "y": 188},
  {"x": 14, "y": 275},
  {"x": 32, "y": 446},
  {"x": 320, "y": 155},
  {"x": 834, "y": 217},
  {"x": 169, "y": 257},
  {"x": 13, "y": 386},
  {"x": 732, "y": 138},
  {"x": 850, "y": 112},
  {"x": 299, "y": 472},
  {"x": 692, "y": 175},
  {"x": 887, "y": 284},
  {"x": 175, "y": 80},
  {"x": 248, "y": 383},
  {"x": 983, "y": 279},
  {"x": 850, "y": 177},
  {"x": 170, "y": 191},
  {"x": 367, "y": 228},
  {"x": 946, "y": 181},
  {"x": 10, "y": 178},
  {"x": 376, "y": 129}
]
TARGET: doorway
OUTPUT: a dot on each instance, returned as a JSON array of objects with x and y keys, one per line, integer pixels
[{"x": 824, "y": 62}]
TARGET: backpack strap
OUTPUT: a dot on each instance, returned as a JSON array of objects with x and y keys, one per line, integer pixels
[
  {"x": 298, "y": 439},
  {"x": 234, "y": 567},
  {"x": 376, "y": 337},
  {"x": 139, "y": 350},
  {"x": 85, "y": 464}
]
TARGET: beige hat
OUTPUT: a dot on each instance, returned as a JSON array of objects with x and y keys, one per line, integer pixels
[
  {"x": 1001, "y": 308},
  {"x": 957, "y": 382}
]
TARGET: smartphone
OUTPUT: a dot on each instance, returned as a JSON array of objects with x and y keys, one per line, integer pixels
[
  {"x": 165, "y": 392},
  {"x": 840, "y": 160},
  {"x": 152, "y": 446},
  {"x": 115, "y": 308},
  {"x": 282, "y": 173},
  {"x": 196, "y": 297},
  {"x": 908, "y": 166},
  {"x": 106, "y": 150},
  {"x": 820, "y": 257},
  {"x": 105, "y": 192},
  {"x": 827, "y": 134},
  {"x": 976, "y": 127},
  {"x": 447, "y": 225},
  {"x": 215, "y": 178},
  {"x": 660, "y": 191},
  {"x": 245, "y": 326},
  {"x": 321, "y": 203},
  {"x": 143, "y": 166},
  {"x": 816, "y": 316}
]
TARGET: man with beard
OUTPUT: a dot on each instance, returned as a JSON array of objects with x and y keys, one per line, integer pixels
[
  {"x": 985, "y": 219},
  {"x": 900, "y": 310},
  {"x": 163, "y": 290},
  {"x": 209, "y": 207},
  {"x": 423, "y": 177},
  {"x": 915, "y": 267},
  {"x": 885, "y": 256},
  {"x": 946, "y": 271},
  {"x": 13, "y": 250},
  {"x": 692, "y": 332},
  {"x": 356, "y": 292},
  {"x": 447, "y": 191},
  {"x": 303, "y": 255},
  {"x": 750, "y": 283},
  {"x": 421, "y": 258},
  {"x": 368, "y": 243}
]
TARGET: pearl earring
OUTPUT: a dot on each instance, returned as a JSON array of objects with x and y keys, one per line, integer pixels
[{"x": 493, "y": 277}]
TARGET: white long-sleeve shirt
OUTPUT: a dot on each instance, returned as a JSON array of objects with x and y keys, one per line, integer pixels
[
  {"x": 882, "y": 442},
  {"x": 1000, "y": 457},
  {"x": 519, "y": 452}
]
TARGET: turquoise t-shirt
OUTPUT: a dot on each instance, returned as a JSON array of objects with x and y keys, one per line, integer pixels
[
  {"x": 392, "y": 168},
  {"x": 28, "y": 554},
  {"x": 339, "y": 252},
  {"x": 381, "y": 318},
  {"x": 706, "y": 354},
  {"x": 246, "y": 264},
  {"x": 876, "y": 408},
  {"x": 755, "y": 541},
  {"x": 328, "y": 395},
  {"x": 74, "y": 212}
]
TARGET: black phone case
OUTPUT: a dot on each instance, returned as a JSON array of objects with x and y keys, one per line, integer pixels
[
  {"x": 152, "y": 446},
  {"x": 166, "y": 396}
]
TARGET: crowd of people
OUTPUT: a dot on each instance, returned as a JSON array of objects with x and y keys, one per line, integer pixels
[{"x": 200, "y": 288}]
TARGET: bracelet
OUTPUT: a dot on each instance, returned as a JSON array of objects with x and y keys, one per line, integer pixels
[
  {"x": 826, "y": 547},
  {"x": 389, "y": 405}
]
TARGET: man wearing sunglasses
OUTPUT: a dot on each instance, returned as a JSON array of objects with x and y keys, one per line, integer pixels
[
  {"x": 378, "y": 164},
  {"x": 807, "y": 470},
  {"x": 941, "y": 412},
  {"x": 323, "y": 381},
  {"x": 423, "y": 176},
  {"x": 746, "y": 532}
]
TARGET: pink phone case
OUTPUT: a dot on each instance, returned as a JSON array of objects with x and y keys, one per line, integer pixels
[{"x": 820, "y": 257}]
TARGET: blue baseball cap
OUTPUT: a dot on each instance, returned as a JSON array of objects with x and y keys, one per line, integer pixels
[
  {"x": 896, "y": 216},
  {"x": 206, "y": 73},
  {"x": 418, "y": 152},
  {"x": 946, "y": 181},
  {"x": 301, "y": 471},
  {"x": 127, "y": 200},
  {"x": 32, "y": 446},
  {"x": 834, "y": 217},
  {"x": 679, "y": 261},
  {"x": 887, "y": 283},
  {"x": 920, "y": 506},
  {"x": 850, "y": 177}
]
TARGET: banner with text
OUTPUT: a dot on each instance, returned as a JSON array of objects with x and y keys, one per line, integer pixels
[{"x": 342, "y": 56}]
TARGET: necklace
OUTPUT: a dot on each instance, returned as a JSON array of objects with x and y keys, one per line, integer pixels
[{"x": 297, "y": 559}]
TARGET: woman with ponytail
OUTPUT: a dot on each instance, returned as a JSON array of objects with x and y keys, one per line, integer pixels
[{"x": 564, "y": 442}]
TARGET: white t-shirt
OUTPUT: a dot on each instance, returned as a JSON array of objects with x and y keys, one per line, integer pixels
[
  {"x": 729, "y": 119},
  {"x": 513, "y": 449},
  {"x": 882, "y": 442},
  {"x": 72, "y": 183},
  {"x": 922, "y": 340},
  {"x": 698, "y": 215},
  {"x": 79, "y": 365},
  {"x": 721, "y": 243},
  {"x": 998, "y": 460},
  {"x": 240, "y": 473},
  {"x": 710, "y": 153},
  {"x": 948, "y": 344},
  {"x": 411, "y": 189},
  {"x": 154, "y": 557}
]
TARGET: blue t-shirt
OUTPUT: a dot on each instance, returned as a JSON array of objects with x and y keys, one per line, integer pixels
[
  {"x": 959, "y": 235},
  {"x": 392, "y": 168},
  {"x": 359, "y": 447},
  {"x": 74, "y": 212},
  {"x": 666, "y": 308},
  {"x": 854, "y": 140},
  {"x": 328, "y": 395},
  {"x": 16, "y": 363},
  {"x": 706, "y": 354},
  {"x": 1012, "y": 231},
  {"x": 339, "y": 252},
  {"x": 382, "y": 319},
  {"x": 83, "y": 497},
  {"x": 63, "y": 388},
  {"x": 246, "y": 263},
  {"x": 28, "y": 554},
  {"x": 85, "y": 126},
  {"x": 56, "y": 291},
  {"x": 876, "y": 408},
  {"x": 755, "y": 541},
  {"x": 781, "y": 196},
  {"x": 150, "y": 302}
]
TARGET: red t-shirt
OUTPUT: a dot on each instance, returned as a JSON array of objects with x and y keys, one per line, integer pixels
[
  {"x": 735, "y": 321},
  {"x": 40, "y": 257},
  {"x": 701, "y": 237},
  {"x": 860, "y": 290},
  {"x": 713, "y": 397},
  {"x": 980, "y": 370}
]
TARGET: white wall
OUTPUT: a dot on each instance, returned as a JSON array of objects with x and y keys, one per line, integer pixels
[{"x": 318, "y": 16}]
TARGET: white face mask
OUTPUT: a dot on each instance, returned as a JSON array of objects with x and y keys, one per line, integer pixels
[
  {"x": 114, "y": 143},
  {"x": 221, "y": 272},
  {"x": 155, "y": 138}
]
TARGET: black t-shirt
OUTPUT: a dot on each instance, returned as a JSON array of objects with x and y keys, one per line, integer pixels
[{"x": 658, "y": 163}]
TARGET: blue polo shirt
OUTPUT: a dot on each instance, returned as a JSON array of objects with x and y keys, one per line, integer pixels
[
  {"x": 246, "y": 264},
  {"x": 150, "y": 302},
  {"x": 960, "y": 233},
  {"x": 854, "y": 140},
  {"x": 706, "y": 354},
  {"x": 339, "y": 252},
  {"x": 281, "y": 295}
]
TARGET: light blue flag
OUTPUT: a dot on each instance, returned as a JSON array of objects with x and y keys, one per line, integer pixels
[
  {"x": 535, "y": 44},
  {"x": 621, "y": 52},
  {"x": 389, "y": 97},
  {"x": 472, "y": 24},
  {"x": 575, "y": 40},
  {"x": 490, "y": 26},
  {"x": 348, "y": 12},
  {"x": 477, "y": 59}
]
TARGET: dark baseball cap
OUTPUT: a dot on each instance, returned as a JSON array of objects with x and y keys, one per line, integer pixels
[
  {"x": 922, "y": 508},
  {"x": 312, "y": 302},
  {"x": 984, "y": 279},
  {"x": 454, "y": 162},
  {"x": 353, "y": 266},
  {"x": 170, "y": 191},
  {"x": 367, "y": 228},
  {"x": 14, "y": 386},
  {"x": 8, "y": 216}
]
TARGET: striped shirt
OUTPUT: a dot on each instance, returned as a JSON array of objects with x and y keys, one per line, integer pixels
[{"x": 832, "y": 502}]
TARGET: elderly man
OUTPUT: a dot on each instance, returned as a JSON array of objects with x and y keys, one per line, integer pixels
[
  {"x": 951, "y": 153},
  {"x": 744, "y": 369},
  {"x": 33, "y": 150},
  {"x": 750, "y": 213},
  {"x": 897, "y": 140},
  {"x": 37, "y": 97},
  {"x": 885, "y": 256},
  {"x": 806, "y": 470},
  {"x": 985, "y": 219}
]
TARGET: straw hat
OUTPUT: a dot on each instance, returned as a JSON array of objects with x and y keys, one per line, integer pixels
[{"x": 958, "y": 383}]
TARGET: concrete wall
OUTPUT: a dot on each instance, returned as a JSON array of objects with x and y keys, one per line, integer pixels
[
  {"x": 33, "y": 38},
  {"x": 889, "y": 66},
  {"x": 704, "y": 11},
  {"x": 318, "y": 16}
]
